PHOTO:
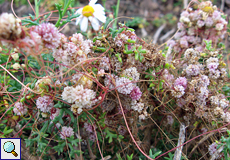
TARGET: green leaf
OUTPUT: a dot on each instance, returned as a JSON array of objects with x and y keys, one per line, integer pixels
[
  {"x": 8, "y": 131},
  {"x": 110, "y": 135},
  {"x": 141, "y": 58},
  {"x": 42, "y": 145},
  {"x": 58, "y": 105},
  {"x": 208, "y": 44},
  {"x": 135, "y": 22},
  {"x": 72, "y": 150},
  {"x": 151, "y": 85},
  {"x": 108, "y": 20},
  {"x": 225, "y": 153},
  {"x": 39, "y": 2},
  {"x": 5, "y": 129},
  {"x": 70, "y": 146},
  {"x": 34, "y": 134},
  {"x": 4, "y": 121},
  {"x": 45, "y": 127},
  {"x": 150, "y": 152},
  {"x": 11, "y": 108},
  {"x": 99, "y": 136},
  {"x": 151, "y": 155},
  {"x": 228, "y": 143},
  {"x": 73, "y": 141},
  {"x": 59, "y": 118},
  {"x": 120, "y": 136},
  {"x": 130, "y": 157},
  {"x": 3, "y": 58},
  {"x": 170, "y": 156},
  {"x": 69, "y": 113},
  {"x": 136, "y": 56},
  {"x": 50, "y": 127},
  {"x": 29, "y": 142},
  {"x": 156, "y": 154},
  {"x": 228, "y": 132},
  {"x": 29, "y": 22},
  {"x": 78, "y": 152},
  {"x": 120, "y": 30},
  {"x": 59, "y": 147},
  {"x": 11, "y": 89},
  {"x": 118, "y": 156}
]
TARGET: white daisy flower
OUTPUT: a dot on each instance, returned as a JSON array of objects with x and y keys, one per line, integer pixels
[{"x": 92, "y": 12}]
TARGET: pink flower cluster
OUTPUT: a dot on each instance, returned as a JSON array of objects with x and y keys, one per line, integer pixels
[
  {"x": 193, "y": 70},
  {"x": 10, "y": 27},
  {"x": 44, "y": 103},
  {"x": 84, "y": 45},
  {"x": 81, "y": 97},
  {"x": 178, "y": 91},
  {"x": 137, "y": 106},
  {"x": 140, "y": 108},
  {"x": 180, "y": 85},
  {"x": 219, "y": 101},
  {"x": 212, "y": 65},
  {"x": 90, "y": 131},
  {"x": 122, "y": 130},
  {"x": 131, "y": 73},
  {"x": 203, "y": 81},
  {"x": 213, "y": 150},
  {"x": 20, "y": 109},
  {"x": 32, "y": 43},
  {"x": 198, "y": 25},
  {"x": 194, "y": 86},
  {"x": 123, "y": 37},
  {"x": 54, "y": 112},
  {"x": 191, "y": 55},
  {"x": 104, "y": 63},
  {"x": 135, "y": 93},
  {"x": 110, "y": 80},
  {"x": 170, "y": 119},
  {"x": 169, "y": 78},
  {"x": 49, "y": 34},
  {"x": 66, "y": 132},
  {"x": 73, "y": 52},
  {"x": 182, "y": 81},
  {"x": 125, "y": 83},
  {"x": 69, "y": 54}
]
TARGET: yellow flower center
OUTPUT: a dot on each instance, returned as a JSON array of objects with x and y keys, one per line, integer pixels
[
  {"x": 208, "y": 9},
  {"x": 87, "y": 11}
]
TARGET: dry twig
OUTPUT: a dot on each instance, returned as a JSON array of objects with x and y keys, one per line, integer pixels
[
  {"x": 167, "y": 35},
  {"x": 158, "y": 32},
  {"x": 177, "y": 155}
]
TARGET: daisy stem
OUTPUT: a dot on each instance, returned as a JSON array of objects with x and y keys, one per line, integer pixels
[
  {"x": 103, "y": 1},
  {"x": 63, "y": 13},
  {"x": 36, "y": 8},
  {"x": 66, "y": 7},
  {"x": 116, "y": 14}
]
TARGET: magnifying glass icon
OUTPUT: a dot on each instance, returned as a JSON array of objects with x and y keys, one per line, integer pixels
[{"x": 9, "y": 147}]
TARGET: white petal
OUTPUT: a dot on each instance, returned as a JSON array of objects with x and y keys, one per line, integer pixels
[
  {"x": 98, "y": 7},
  {"x": 78, "y": 19},
  {"x": 99, "y": 12},
  {"x": 84, "y": 24},
  {"x": 79, "y": 10},
  {"x": 94, "y": 23},
  {"x": 100, "y": 17},
  {"x": 92, "y": 2}
]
